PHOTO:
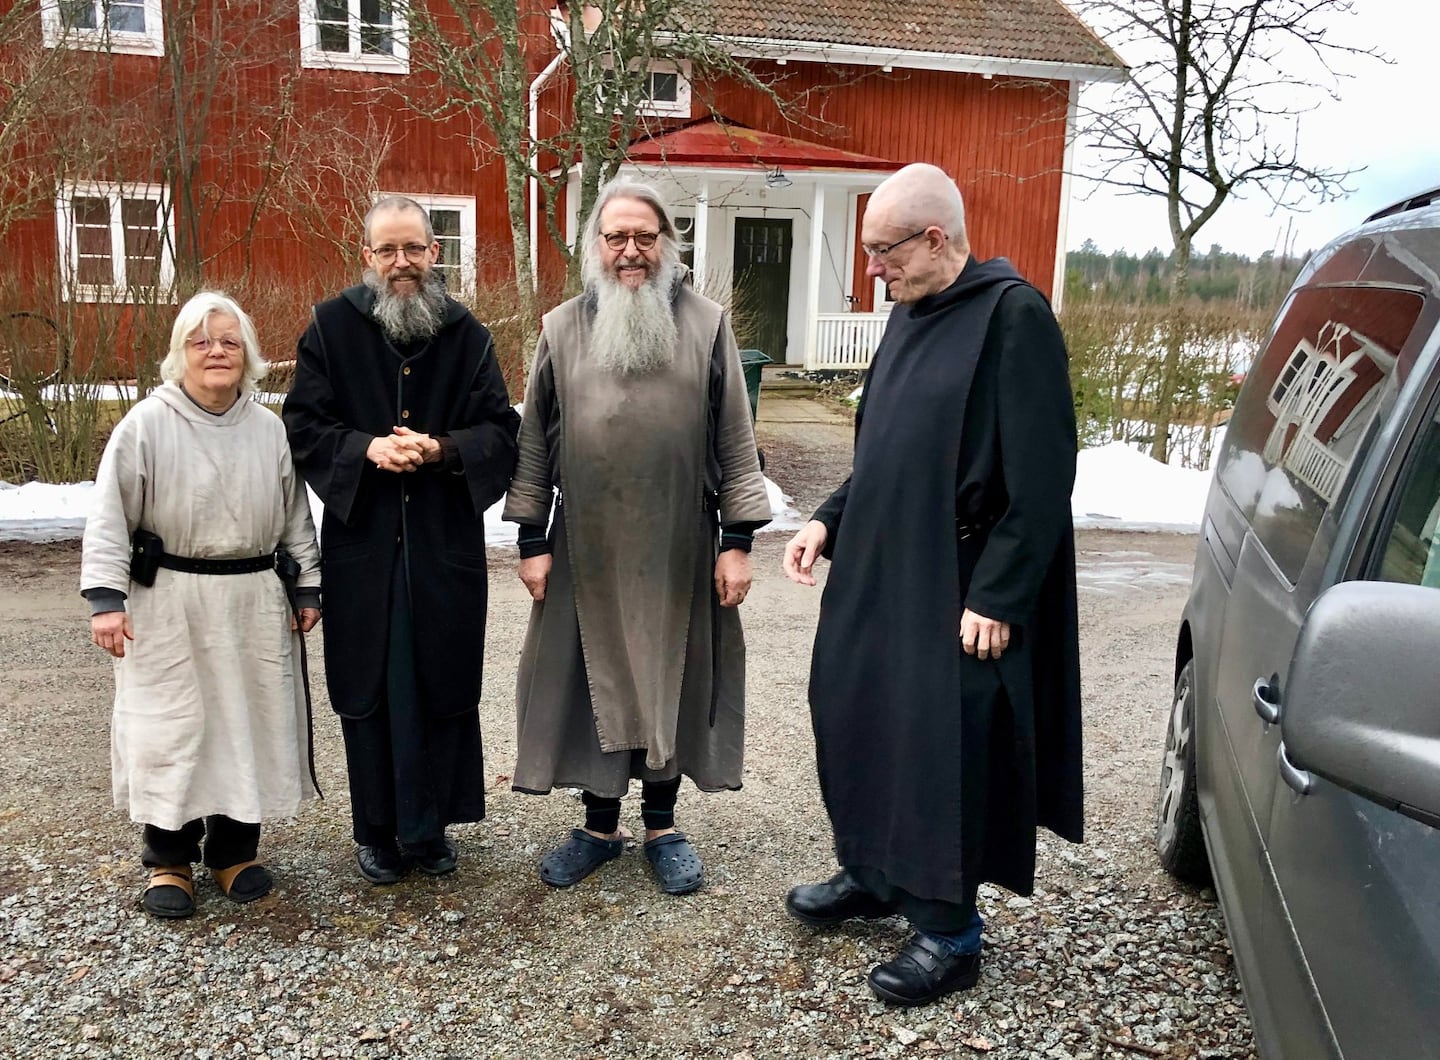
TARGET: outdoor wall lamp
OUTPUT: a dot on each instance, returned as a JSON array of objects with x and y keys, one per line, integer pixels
[{"x": 776, "y": 178}]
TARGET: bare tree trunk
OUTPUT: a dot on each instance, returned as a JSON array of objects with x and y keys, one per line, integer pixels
[{"x": 1174, "y": 351}]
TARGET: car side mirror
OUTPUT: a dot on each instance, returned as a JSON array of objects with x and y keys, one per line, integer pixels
[{"x": 1362, "y": 700}]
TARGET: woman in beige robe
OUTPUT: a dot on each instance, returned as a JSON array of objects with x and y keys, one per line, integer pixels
[{"x": 210, "y": 731}]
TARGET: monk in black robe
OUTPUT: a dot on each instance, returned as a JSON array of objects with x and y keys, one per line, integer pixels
[
  {"x": 400, "y": 422},
  {"x": 945, "y": 680}
]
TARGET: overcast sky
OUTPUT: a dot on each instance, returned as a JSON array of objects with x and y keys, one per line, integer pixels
[{"x": 1386, "y": 120}]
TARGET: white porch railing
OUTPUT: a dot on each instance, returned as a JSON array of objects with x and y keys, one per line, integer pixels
[
  {"x": 846, "y": 340},
  {"x": 1315, "y": 465}
]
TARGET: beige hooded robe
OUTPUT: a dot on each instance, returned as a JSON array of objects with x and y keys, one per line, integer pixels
[{"x": 209, "y": 714}]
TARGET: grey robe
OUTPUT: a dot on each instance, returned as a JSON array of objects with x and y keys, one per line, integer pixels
[
  {"x": 629, "y": 651},
  {"x": 209, "y": 710}
]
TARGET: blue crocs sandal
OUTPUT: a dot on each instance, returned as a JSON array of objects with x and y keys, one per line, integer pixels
[
  {"x": 578, "y": 857},
  {"x": 677, "y": 866}
]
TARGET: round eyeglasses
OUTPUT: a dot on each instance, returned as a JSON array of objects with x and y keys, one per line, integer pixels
[{"x": 620, "y": 240}]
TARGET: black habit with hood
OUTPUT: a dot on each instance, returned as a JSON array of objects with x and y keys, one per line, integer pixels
[
  {"x": 936, "y": 766},
  {"x": 351, "y": 385}
]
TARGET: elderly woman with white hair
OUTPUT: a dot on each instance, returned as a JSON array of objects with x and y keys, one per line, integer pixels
[{"x": 195, "y": 510}]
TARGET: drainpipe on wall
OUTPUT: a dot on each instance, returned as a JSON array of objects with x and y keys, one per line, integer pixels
[{"x": 535, "y": 87}]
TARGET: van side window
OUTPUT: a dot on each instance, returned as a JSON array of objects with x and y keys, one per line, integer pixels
[
  {"x": 1412, "y": 538},
  {"x": 1301, "y": 420}
]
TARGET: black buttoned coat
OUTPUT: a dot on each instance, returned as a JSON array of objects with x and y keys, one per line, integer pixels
[{"x": 351, "y": 385}]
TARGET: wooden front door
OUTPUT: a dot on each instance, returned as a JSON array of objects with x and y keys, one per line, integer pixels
[{"x": 761, "y": 303}]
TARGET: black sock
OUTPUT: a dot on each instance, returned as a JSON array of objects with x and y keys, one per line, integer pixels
[
  {"x": 601, "y": 815},
  {"x": 657, "y": 803}
]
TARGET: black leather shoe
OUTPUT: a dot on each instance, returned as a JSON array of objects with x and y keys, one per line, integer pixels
[
  {"x": 435, "y": 858},
  {"x": 838, "y": 898},
  {"x": 381, "y": 865},
  {"x": 924, "y": 971}
]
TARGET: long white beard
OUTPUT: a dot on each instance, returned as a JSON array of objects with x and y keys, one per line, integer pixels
[{"x": 634, "y": 330}]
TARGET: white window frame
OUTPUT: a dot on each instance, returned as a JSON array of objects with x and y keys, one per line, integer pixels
[
  {"x": 662, "y": 108},
  {"x": 123, "y": 42},
  {"x": 312, "y": 57},
  {"x": 118, "y": 290},
  {"x": 680, "y": 106},
  {"x": 465, "y": 205}
]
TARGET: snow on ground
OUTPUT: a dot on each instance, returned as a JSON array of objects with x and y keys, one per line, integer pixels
[
  {"x": 1116, "y": 488},
  {"x": 40, "y": 511}
]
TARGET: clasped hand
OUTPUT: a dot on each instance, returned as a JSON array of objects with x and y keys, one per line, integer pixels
[{"x": 403, "y": 450}]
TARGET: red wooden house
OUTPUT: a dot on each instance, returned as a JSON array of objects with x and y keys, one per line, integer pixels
[{"x": 771, "y": 201}]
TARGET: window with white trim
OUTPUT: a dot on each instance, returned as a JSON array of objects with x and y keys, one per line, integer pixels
[
  {"x": 664, "y": 90},
  {"x": 115, "y": 245},
  {"x": 355, "y": 35},
  {"x": 131, "y": 27},
  {"x": 453, "y": 218}
]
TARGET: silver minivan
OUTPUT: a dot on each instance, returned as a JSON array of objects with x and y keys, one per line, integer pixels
[{"x": 1302, "y": 754}]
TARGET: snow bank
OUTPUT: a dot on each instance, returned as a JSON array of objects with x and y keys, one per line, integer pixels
[
  {"x": 39, "y": 511},
  {"x": 1119, "y": 488},
  {"x": 1116, "y": 488}
]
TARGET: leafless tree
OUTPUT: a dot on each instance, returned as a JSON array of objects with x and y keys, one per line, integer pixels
[
  {"x": 1212, "y": 109},
  {"x": 484, "y": 53}
]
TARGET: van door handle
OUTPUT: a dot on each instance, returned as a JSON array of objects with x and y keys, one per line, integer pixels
[
  {"x": 1266, "y": 695},
  {"x": 1299, "y": 781}
]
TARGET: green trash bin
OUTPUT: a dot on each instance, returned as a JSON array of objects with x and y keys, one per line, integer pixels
[{"x": 751, "y": 361}]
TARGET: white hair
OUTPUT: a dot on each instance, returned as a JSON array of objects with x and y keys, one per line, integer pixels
[
  {"x": 195, "y": 316},
  {"x": 669, "y": 242}
]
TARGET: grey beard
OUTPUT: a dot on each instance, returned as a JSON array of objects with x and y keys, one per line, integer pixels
[
  {"x": 634, "y": 331},
  {"x": 408, "y": 317}
]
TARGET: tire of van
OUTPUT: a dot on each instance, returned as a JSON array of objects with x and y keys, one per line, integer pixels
[{"x": 1178, "y": 837}]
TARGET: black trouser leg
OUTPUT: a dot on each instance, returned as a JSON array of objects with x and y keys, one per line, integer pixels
[
  {"x": 601, "y": 815},
  {"x": 229, "y": 842},
  {"x": 657, "y": 803},
  {"x": 164, "y": 847}
]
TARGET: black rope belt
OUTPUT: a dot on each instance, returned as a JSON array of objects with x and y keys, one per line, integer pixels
[{"x": 245, "y": 565}]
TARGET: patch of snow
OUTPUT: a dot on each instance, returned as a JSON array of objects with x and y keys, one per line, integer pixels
[
  {"x": 1116, "y": 488},
  {"x": 41, "y": 511},
  {"x": 1119, "y": 488}
]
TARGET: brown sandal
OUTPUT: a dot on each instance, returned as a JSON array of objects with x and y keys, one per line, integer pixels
[
  {"x": 170, "y": 893},
  {"x": 244, "y": 882}
]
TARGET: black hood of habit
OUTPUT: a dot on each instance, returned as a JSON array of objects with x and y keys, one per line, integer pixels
[{"x": 973, "y": 278}]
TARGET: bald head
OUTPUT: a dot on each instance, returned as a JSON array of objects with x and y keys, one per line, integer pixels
[
  {"x": 921, "y": 195},
  {"x": 914, "y": 233}
]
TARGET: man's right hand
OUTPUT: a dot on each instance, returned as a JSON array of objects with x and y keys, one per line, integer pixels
[
  {"x": 535, "y": 573},
  {"x": 110, "y": 630},
  {"x": 393, "y": 453},
  {"x": 803, "y": 550}
]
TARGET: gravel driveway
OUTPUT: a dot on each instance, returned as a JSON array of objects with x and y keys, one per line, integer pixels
[{"x": 1108, "y": 959}]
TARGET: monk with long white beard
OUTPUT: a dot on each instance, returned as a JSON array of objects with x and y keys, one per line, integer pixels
[{"x": 634, "y": 662}]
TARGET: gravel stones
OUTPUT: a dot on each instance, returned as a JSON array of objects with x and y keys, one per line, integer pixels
[{"x": 1108, "y": 959}]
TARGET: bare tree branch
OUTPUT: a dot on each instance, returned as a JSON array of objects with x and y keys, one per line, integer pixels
[{"x": 1211, "y": 109}]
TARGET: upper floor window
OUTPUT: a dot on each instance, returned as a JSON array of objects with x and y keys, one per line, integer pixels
[
  {"x": 664, "y": 90},
  {"x": 453, "y": 219},
  {"x": 133, "y": 27},
  {"x": 667, "y": 89},
  {"x": 355, "y": 35},
  {"x": 115, "y": 245}
]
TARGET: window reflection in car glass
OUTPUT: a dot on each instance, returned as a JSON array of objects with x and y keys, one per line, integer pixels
[{"x": 1300, "y": 424}]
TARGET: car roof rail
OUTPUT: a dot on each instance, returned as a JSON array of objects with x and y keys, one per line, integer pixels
[{"x": 1414, "y": 202}]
